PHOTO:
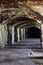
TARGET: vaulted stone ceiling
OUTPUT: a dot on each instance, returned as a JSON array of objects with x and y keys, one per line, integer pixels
[{"x": 9, "y": 8}]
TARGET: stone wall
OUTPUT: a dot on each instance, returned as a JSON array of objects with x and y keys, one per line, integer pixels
[{"x": 0, "y": 35}]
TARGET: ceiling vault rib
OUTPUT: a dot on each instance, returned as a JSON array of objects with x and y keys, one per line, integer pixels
[{"x": 13, "y": 13}]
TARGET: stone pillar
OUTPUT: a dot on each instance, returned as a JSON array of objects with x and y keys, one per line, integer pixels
[
  {"x": 6, "y": 33},
  {"x": 15, "y": 34},
  {"x": 42, "y": 34},
  {"x": 12, "y": 34},
  {"x": 26, "y": 33},
  {"x": 3, "y": 41},
  {"x": 0, "y": 35},
  {"x": 22, "y": 34},
  {"x": 9, "y": 36},
  {"x": 18, "y": 34}
]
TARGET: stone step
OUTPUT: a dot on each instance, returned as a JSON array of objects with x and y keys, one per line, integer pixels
[
  {"x": 27, "y": 43},
  {"x": 24, "y": 46}
]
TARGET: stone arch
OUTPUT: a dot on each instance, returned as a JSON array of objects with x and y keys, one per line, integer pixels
[
  {"x": 23, "y": 17},
  {"x": 29, "y": 14},
  {"x": 22, "y": 21}
]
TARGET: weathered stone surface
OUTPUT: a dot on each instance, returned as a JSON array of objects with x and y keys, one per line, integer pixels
[
  {"x": 0, "y": 34},
  {"x": 19, "y": 57}
]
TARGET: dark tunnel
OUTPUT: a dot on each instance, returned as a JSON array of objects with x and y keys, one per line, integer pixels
[{"x": 33, "y": 32}]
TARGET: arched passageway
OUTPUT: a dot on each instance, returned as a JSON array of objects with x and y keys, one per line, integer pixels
[{"x": 24, "y": 32}]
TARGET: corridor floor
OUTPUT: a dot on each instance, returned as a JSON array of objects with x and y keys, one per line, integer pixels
[{"x": 16, "y": 57}]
